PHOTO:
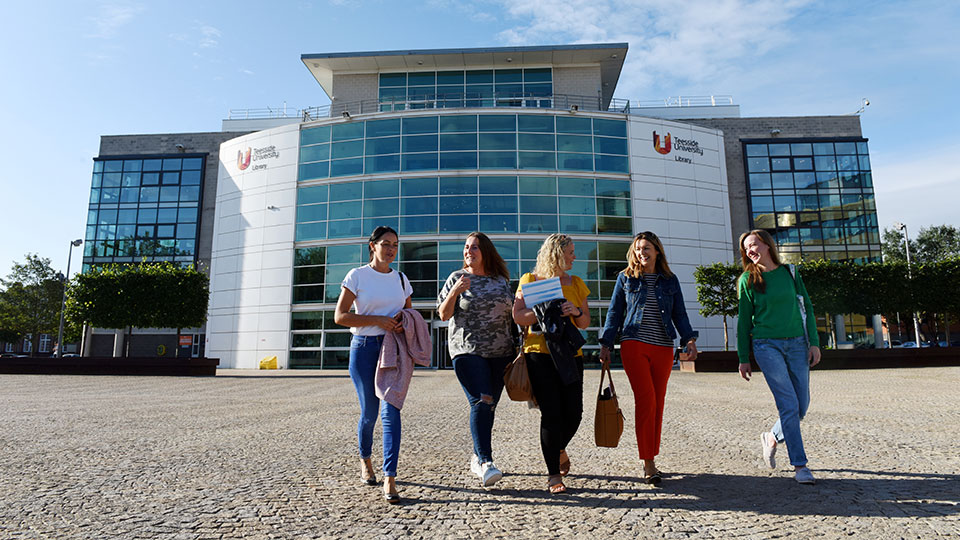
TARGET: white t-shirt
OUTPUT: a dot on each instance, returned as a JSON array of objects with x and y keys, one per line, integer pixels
[{"x": 377, "y": 294}]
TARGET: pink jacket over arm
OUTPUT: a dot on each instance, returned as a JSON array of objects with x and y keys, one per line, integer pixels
[{"x": 398, "y": 355}]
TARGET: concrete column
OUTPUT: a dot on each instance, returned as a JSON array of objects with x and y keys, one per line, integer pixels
[
  {"x": 878, "y": 341},
  {"x": 841, "y": 332},
  {"x": 118, "y": 343}
]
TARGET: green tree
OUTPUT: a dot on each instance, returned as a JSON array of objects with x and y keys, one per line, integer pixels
[
  {"x": 717, "y": 292},
  {"x": 148, "y": 295},
  {"x": 937, "y": 243},
  {"x": 30, "y": 300},
  {"x": 891, "y": 245}
]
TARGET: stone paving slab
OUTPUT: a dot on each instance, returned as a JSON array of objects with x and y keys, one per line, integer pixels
[{"x": 272, "y": 455}]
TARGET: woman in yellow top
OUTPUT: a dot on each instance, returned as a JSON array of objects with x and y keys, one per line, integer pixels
[{"x": 561, "y": 406}]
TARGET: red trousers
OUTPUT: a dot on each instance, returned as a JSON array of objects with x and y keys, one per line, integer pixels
[{"x": 648, "y": 367}]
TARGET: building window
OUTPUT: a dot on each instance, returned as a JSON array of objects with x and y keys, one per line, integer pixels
[
  {"x": 528, "y": 87},
  {"x": 45, "y": 343},
  {"x": 815, "y": 197}
]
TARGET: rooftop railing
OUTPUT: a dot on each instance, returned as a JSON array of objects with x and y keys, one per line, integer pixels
[{"x": 687, "y": 101}]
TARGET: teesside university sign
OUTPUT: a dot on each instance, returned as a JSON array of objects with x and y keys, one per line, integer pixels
[
  {"x": 666, "y": 145},
  {"x": 256, "y": 154}
]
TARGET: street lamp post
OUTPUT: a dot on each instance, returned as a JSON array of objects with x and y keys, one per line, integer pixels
[
  {"x": 906, "y": 244},
  {"x": 63, "y": 299}
]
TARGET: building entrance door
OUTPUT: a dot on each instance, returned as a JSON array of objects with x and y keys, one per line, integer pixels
[{"x": 441, "y": 353}]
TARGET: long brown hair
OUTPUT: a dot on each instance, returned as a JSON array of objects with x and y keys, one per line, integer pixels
[
  {"x": 756, "y": 275},
  {"x": 493, "y": 264},
  {"x": 634, "y": 269}
]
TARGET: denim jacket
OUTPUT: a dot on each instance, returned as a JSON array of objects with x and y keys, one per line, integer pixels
[{"x": 626, "y": 309}]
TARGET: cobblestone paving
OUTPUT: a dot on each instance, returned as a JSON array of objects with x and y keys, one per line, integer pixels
[{"x": 255, "y": 455}]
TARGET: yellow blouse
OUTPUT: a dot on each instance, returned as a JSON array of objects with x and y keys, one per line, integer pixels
[{"x": 576, "y": 292}]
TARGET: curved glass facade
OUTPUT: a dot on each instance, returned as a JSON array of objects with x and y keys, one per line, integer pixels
[{"x": 516, "y": 177}]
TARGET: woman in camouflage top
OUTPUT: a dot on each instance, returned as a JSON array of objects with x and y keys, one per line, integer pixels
[{"x": 478, "y": 302}]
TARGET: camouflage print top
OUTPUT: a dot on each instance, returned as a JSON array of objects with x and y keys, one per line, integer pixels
[{"x": 481, "y": 317}]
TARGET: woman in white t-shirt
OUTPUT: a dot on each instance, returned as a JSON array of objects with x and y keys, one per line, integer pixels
[{"x": 377, "y": 294}]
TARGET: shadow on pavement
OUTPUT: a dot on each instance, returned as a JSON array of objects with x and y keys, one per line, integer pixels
[{"x": 891, "y": 494}]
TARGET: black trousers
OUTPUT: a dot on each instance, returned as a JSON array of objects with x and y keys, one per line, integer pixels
[{"x": 561, "y": 406}]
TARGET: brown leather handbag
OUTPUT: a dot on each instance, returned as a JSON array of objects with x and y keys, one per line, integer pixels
[
  {"x": 516, "y": 378},
  {"x": 608, "y": 422}
]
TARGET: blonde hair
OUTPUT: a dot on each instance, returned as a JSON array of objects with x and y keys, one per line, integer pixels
[
  {"x": 634, "y": 268},
  {"x": 550, "y": 260},
  {"x": 756, "y": 275}
]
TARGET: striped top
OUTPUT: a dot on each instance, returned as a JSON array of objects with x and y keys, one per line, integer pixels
[{"x": 651, "y": 326}]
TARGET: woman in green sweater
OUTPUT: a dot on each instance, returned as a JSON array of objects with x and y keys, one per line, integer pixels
[{"x": 775, "y": 311}]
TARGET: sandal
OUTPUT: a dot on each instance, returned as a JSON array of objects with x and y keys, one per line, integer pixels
[
  {"x": 653, "y": 479},
  {"x": 555, "y": 485},
  {"x": 367, "y": 476},
  {"x": 564, "y": 463}
]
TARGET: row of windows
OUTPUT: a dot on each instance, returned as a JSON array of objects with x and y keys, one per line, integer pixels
[
  {"x": 114, "y": 232},
  {"x": 471, "y": 88},
  {"x": 810, "y": 181},
  {"x": 789, "y": 201},
  {"x": 453, "y": 161},
  {"x": 140, "y": 248},
  {"x": 458, "y": 142},
  {"x": 465, "y": 185},
  {"x": 146, "y": 214},
  {"x": 820, "y": 148},
  {"x": 136, "y": 178},
  {"x": 155, "y": 164},
  {"x": 816, "y": 163},
  {"x": 145, "y": 194}
]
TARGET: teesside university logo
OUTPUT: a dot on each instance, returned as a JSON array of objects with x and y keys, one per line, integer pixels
[
  {"x": 243, "y": 159},
  {"x": 665, "y": 149}
]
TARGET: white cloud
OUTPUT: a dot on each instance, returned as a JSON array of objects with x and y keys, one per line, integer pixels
[
  {"x": 209, "y": 36},
  {"x": 111, "y": 17},
  {"x": 247, "y": 72}
]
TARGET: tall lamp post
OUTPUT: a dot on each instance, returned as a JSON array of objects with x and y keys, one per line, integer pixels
[
  {"x": 63, "y": 300},
  {"x": 906, "y": 244}
]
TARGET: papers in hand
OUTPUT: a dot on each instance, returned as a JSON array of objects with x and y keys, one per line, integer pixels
[{"x": 544, "y": 290}]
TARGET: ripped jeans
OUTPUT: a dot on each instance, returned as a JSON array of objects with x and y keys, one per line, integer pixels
[{"x": 482, "y": 382}]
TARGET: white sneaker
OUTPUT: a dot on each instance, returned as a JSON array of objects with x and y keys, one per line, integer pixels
[
  {"x": 769, "y": 444},
  {"x": 475, "y": 466},
  {"x": 491, "y": 475},
  {"x": 804, "y": 476}
]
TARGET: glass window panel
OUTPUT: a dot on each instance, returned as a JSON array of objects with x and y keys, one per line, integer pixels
[
  {"x": 127, "y": 231},
  {"x": 498, "y": 184},
  {"x": 130, "y": 179},
  {"x": 320, "y": 169},
  {"x": 169, "y": 193},
  {"x": 458, "y": 205},
  {"x": 866, "y": 179},
  {"x": 112, "y": 166},
  {"x": 808, "y": 202},
  {"x": 608, "y": 145},
  {"x": 780, "y": 164},
  {"x": 147, "y": 215},
  {"x": 418, "y": 225},
  {"x": 801, "y": 149},
  {"x": 610, "y": 128},
  {"x": 537, "y": 160},
  {"x": 393, "y": 79},
  {"x": 421, "y": 78},
  {"x": 761, "y": 204},
  {"x": 189, "y": 193},
  {"x": 462, "y": 224},
  {"x": 127, "y": 216},
  {"x": 458, "y": 185},
  {"x": 343, "y": 229},
  {"x": 152, "y": 164},
  {"x": 393, "y": 94},
  {"x": 381, "y": 188},
  {"x": 112, "y": 180},
  {"x": 862, "y": 148},
  {"x": 92, "y": 216},
  {"x": 97, "y": 180},
  {"x": 314, "y": 153},
  {"x": 538, "y": 185},
  {"x": 421, "y": 124},
  {"x": 345, "y": 210},
  {"x": 458, "y": 160},
  {"x": 192, "y": 163},
  {"x": 458, "y": 124},
  {"x": 346, "y": 167},
  {"x": 129, "y": 195},
  {"x": 479, "y": 76},
  {"x": 418, "y": 205},
  {"x": 830, "y": 201},
  {"x": 804, "y": 180},
  {"x": 378, "y": 164},
  {"x": 574, "y": 162},
  {"x": 605, "y": 163},
  {"x": 150, "y": 179},
  {"x": 345, "y": 257},
  {"x": 758, "y": 164},
  {"x": 170, "y": 178},
  {"x": 508, "y": 75},
  {"x": 458, "y": 141},
  {"x": 172, "y": 164},
  {"x": 315, "y": 135},
  {"x": 822, "y": 149},
  {"x": 864, "y": 163},
  {"x": 538, "y": 223},
  {"x": 607, "y": 187},
  {"x": 845, "y": 147},
  {"x": 165, "y": 231},
  {"x": 538, "y": 205},
  {"x": 756, "y": 150},
  {"x": 370, "y": 224},
  {"x": 528, "y": 141},
  {"x": 497, "y": 160},
  {"x": 575, "y": 143},
  {"x": 613, "y": 207},
  {"x": 613, "y": 225},
  {"x": 825, "y": 163},
  {"x": 108, "y": 217},
  {"x": 348, "y": 131},
  {"x": 346, "y": 191},
  {"x": 577, "y": 205},
  {"x": 418, "y": 186},
  {"x": 827, "y": 180},
  {"x": 539, "y": 123},
  {"x": 786, "y": 203},
  {"x": 498, "y": 205},
  {"x": 419, "y": 271},
  {"x": 190, "y": 178},
  {"x": 383, "y": 128},
  {"x": 803, "y": 163},
  {"x": 576, "y": 186},
  {"x": 187, "y": 215},
  {"x": 313, "y": 212},
  {"x": 346, "y": 149},
  {"x": 420, "y": 143},
  {"x": 312, "y": 194},
  {"x": 782, "y": 180},
  {"x": 572, "y": 124},
  {"x": 537, "y": 75},
  {"x": 540, "y": 90},
  {"x": 498, "y": 141},
  {"x": 578, "y": 224},
  {"x": 107, "y": 195},
  {"x": 498, "y": 223},
  {"x": 450, "y": 77},
  {"x": 380, "y": 207},
  {"x": 847, "y": 163},
  {"x": 167, "y": 215},
  {"x": 498, "y": 122},
  {"x": 779, "y": 149}
]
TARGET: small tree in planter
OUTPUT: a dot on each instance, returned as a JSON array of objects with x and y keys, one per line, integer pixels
[
  {"x": 717, "y": 292},
  {"x": 148, "y": 295}
]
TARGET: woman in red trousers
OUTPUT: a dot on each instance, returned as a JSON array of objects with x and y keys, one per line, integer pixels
[{"x": 645, "y": 308}]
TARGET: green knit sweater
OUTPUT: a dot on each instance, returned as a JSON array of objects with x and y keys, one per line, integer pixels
[{"x": 773, "y": 313}]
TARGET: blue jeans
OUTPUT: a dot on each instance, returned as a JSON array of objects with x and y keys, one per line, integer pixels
[
  {"x": 785, "y": 368},
  {"x": 482, "y": 382},
  {"x": 364, "y": 353}
]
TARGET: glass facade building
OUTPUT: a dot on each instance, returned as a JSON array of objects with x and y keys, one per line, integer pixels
[{"x": 144, "y": 208}]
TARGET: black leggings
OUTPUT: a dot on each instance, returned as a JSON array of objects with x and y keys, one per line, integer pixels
[{"x": 561, "y": 407}]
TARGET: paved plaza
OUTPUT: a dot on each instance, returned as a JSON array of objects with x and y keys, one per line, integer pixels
[{"x": 272, "y": 455}]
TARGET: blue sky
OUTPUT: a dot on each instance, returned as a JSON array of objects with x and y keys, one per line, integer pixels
[{"x": 73, "y": 71}]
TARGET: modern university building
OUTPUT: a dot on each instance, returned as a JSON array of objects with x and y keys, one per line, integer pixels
[{"x": 517, "y": 142}]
